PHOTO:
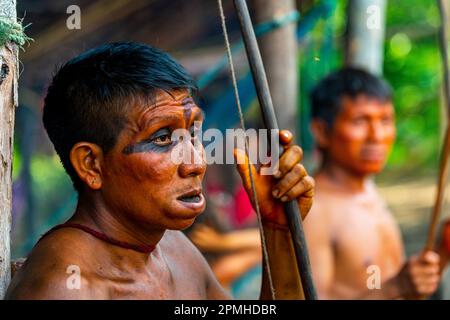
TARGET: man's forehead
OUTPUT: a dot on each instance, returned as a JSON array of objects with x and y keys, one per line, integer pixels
[
  {"x": 166, "y": 103},
  {"x": 176, "y": 101},
  {"x": 362, "y": 103},
  {"x": 163, "y": 100},
  {"x": 172, "y": 95}
]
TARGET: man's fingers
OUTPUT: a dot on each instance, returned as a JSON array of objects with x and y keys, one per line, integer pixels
[
  {"x": 424, "y": 272},
  {"x": 429, "y": 257},
  {"x": 428, "y": 271},
  {"x": 289, "y": 180},
  {"x": 286, "y": 137},
  {"x": 242, "y": 167},
  {"x": 305, "y": 187},
  {"x": 427, "y": 289},
  {"x": 288, "y": 160}
]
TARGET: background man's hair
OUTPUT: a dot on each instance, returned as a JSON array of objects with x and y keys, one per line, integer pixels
[
  {"x": 90, "y": 95},
  {"x": 326, "y": 97}
]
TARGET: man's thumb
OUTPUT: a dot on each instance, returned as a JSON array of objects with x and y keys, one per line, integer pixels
[{"x": 242, "y": 166}]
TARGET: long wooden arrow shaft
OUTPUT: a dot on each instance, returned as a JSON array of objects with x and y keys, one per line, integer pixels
[{"x": 265, "y": 100}]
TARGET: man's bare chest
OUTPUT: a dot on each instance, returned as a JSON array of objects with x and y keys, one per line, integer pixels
[
  {"x": 167, "y": 283},
  {"x": 368, "y": 240}
]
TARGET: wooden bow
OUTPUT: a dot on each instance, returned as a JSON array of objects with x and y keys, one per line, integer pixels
[{"x": 265, "y": 101}]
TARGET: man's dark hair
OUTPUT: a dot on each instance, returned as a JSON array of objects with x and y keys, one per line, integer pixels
[
  {"x": 90, "y": 95},
  {"x": 326, "y": 97}
]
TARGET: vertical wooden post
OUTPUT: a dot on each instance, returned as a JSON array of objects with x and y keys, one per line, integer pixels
[
  {"x": 279, "y": 53},
  {"x": 8, "y": 102},
  {"x": 364, "y": 46}
]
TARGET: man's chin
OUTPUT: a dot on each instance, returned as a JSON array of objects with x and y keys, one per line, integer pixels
[
  {"x": 371, "y": 169},
  {"x": 181, "y": 220},
  {"x": 181, "y": 224}
]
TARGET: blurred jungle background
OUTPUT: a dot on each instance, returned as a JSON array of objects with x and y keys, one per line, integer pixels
[{"x": 190, "y": 30}]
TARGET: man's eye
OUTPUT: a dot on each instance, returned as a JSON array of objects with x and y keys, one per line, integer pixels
[
  {"x": 162, "y": 140},
  {"x": 387, "y": 120},
  {"x": 358, "y": 121}
]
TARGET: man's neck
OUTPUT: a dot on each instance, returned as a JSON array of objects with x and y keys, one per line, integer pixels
[
  {"x": 346, "y": 180},
  {"x": 92, "y": 212}
]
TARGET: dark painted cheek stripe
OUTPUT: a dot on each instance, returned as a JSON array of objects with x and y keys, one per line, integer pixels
[{"x": 146, "y": 147}]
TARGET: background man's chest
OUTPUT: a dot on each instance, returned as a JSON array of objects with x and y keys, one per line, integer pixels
[{"x": 367, "y": 241}]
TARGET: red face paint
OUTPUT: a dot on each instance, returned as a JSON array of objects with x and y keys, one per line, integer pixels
[
  {"x": 362, "y": 135},
  {"x": 141, "y": 180}
]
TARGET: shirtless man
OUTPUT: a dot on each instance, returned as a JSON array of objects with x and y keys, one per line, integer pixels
[
  {"x": 351, "y": 234},
  {"x": 110, "y": 114}
]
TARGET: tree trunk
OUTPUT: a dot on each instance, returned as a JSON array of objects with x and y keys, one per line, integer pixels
[
  {"x": 364, "y": 46},
  {"x": 279, "y": 53},
  {"x": 8, "y": 101}
]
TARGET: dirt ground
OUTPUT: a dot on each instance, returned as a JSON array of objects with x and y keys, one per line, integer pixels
[{"x": 411, "y": 202}]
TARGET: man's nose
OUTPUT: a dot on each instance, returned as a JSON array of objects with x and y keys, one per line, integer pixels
[
  {"x": 195, "y": 163},
  {"x": 376, "y": 131}
]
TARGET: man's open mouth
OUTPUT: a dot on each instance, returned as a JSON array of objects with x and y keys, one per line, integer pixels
[{"x": 193, "y": 196}]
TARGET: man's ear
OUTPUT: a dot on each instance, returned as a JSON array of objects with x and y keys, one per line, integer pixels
[
  {"x": 320, "y": 132},
  {"x": 86, "y": 159}
]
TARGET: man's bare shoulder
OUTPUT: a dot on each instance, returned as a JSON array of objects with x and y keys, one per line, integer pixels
[
  {"x": 184, "y": 252},
  {"x": 53, "y": 268},
  {"x": 181, "y": 248}
]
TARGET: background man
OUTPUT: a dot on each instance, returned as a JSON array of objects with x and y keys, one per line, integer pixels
[{"x": 350, "y": 228}]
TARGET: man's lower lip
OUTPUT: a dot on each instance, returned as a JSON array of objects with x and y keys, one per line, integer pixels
[
  {"x": 194, "y": 205},
  {"x": 373, "y": 156}
]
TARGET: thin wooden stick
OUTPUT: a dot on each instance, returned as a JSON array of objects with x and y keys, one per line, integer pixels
[
  {"x": 442, "y": 180},
  {"x": 443, "y": 167}
]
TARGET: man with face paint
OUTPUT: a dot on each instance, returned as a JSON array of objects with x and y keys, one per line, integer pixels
[
  {"x": 110, "y": 114},
  {"x": 355, "y": 244}
]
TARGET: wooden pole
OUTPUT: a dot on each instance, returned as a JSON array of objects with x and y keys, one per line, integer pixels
[
  {"x": 364, "y": 43},
  {"x": 279, "y": 54},
  {"x": 8, "y": 102}
]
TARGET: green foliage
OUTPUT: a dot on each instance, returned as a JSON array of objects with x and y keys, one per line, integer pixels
[
  {"x": 12, "y": 31},
  {"x": 413, "y": 68},
  {"x": 17, "y": 162}
]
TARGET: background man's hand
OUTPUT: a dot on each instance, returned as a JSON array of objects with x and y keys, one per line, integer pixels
[
  {"x": 419, "y": 276},
  {"x": 290, "y": 182}
]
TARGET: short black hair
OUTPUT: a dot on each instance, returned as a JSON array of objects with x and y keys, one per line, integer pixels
[
  {"x": 327, "y": 94},
  {"x": 90, "y": 95}
]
